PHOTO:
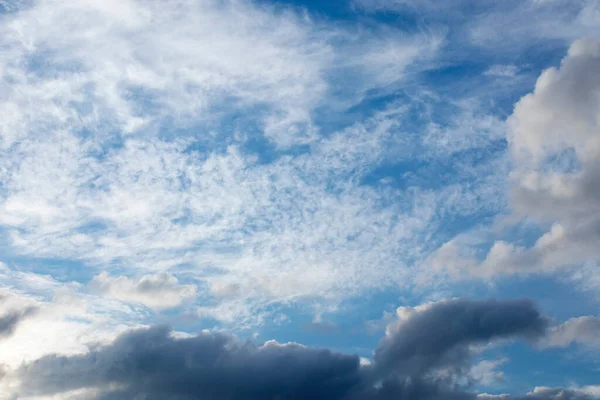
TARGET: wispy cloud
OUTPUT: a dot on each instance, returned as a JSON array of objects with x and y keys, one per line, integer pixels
[{"x": 121, "y": 146}]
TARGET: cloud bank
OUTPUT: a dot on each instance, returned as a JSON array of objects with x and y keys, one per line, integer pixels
[{"x": 423, "y": 356}]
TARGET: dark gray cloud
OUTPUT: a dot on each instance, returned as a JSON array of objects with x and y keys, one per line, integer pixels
[
  {"x": 150, "y": 364},
  {"x": 441, "y": 335},
  {"x": 208, "y": 366}
]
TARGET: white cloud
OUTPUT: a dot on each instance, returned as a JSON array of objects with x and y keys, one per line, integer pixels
[
  {"x": 124, "y": 134},
  {"x": 486, "y": 372},
  {"x": 486, "y": 396},
  {"x": 159, "y": 291},
  {"x": 257, "y": 234},
  {"x": 592, "y": 390},
  {"x": 581, "y": 330},
  {"x": 102, "y": 106},
  {"x": 523, "y": 23},
  {"x": 65, "y": 319},
  {"x": 554, "y": 147},
  {"x": 416, "y": 5},
  {"x": 556, "y": 393},
  {"x": 503, "y": 71},
  {"x": 132, "y": 66}
]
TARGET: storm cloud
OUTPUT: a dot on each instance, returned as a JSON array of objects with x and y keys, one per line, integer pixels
[{"x": 153, "y": 364}]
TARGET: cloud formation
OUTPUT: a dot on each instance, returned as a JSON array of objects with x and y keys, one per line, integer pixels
[
  {"x": 10, "y": 320},
  {"x": 163, "y": 138},
  {"x": 580, "y": 330},
  {"x": 409, "y": 362},
  {"x": 252, "y": 164},
  {"x": 159, "y": 291},
  {"x": 522, "y": 22},
  {"x": 554, "y": 146}
]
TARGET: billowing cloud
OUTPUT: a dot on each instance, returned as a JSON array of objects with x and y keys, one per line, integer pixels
[
  {"x": 439, "y": 334},
  {"x": 159, "y": 291},
  {"x": 408, "y": 363},
  {"x": 555, "y": 147}
]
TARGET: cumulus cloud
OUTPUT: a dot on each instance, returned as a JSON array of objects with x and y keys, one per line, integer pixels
[
  {"x": 554, "y": 146},
  {"x": 580, "y": 330},
  {"x": 439, "y": 334},
  {"x": 154, "y": 364},
  {"x": 159, "y": 291}
]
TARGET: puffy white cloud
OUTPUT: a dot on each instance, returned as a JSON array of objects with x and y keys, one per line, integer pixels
[
  {"x": 580, "y": 330},
  {"x": 554, "y": 139},
  {"x": 554, "y": 144},
  {"x": 159, "y": 291},
  {"x": 486, "y": 372}
]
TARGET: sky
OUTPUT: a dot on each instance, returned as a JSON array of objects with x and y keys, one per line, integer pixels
[{"x": 299, "y": 199}]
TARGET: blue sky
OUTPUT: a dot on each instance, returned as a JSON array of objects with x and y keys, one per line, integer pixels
[{"x": 316, "y": 172}]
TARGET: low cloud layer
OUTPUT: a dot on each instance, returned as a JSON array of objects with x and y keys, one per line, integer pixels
[{"x": 423, "y": 356}]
